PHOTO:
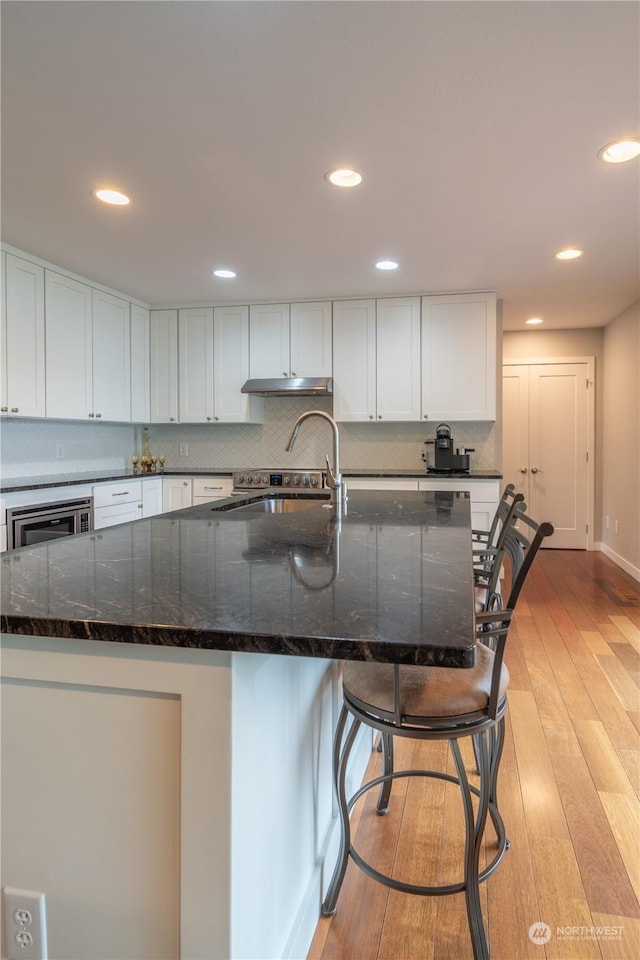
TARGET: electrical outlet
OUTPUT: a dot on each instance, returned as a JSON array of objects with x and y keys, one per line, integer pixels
[
  {"x": 59, "y": 451},
  {"x": 184, "y": 449},
  {"x": 606, "y": 522},
  {"x": 25, "y": 924},
  {"x": 617, "y": 526}
]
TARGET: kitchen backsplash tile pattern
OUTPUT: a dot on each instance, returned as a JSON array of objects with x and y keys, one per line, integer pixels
[{"x": 28, "y": 447}]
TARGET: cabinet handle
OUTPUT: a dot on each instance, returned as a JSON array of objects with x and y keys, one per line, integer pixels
[
  {"x": 139, "y": 506},
  {"x": 523, "y": 469},
  {"x": 185, "y": 483},
  {"x": 14, "y": 409},
  {"x": 426, "y": 416},
  {"x": 370, "y": 416},
  {"x": 284, "y": 373},
  {"x": 212, "y": 488},
  {"x": 209, "y": 418},
  {"x": 536, "y": 470},
  {"x": 4, "y": 409},
  {"x": 91, "y": 415},
  {"x": 171, "y": 419},
  {"x": 379, "y": 416},
  {"x": 216, "y": 418},
  {"x": 293, "y": 373},
  {"x": 98, "y": 415},
  {"x": 124, "y": 493}
]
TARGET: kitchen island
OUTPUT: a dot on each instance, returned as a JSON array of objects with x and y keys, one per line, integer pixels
[{"x": 172, "y": 686}]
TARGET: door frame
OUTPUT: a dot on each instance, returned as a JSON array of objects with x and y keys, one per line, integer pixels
[{"x": 591, "y": 421}]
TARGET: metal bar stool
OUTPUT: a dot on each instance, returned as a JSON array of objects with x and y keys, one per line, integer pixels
[{"x": 438, "y": 703}]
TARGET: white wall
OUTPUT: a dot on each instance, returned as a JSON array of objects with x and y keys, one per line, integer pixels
[{"x": 621, "y": 440}]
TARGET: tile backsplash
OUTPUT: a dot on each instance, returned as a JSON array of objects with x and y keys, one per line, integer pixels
[{"x": 29, "y": 447}]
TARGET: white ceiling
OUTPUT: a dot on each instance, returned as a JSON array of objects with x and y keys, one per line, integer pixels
[{"x": 476, "y": 126}]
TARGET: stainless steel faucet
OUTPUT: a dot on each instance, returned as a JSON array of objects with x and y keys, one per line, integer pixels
[{"x": 334, "y": 478}]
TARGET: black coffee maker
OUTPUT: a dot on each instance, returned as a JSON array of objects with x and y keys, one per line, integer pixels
[{"x": 444, "y": 458}]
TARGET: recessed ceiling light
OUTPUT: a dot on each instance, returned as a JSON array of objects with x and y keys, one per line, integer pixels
[
  {"x": 113, "y": 197},
  {"x": 224, "y": 274},
  {"x": 343, "y": 177},
  {"x": 534, "y": 320},
  {"x": 387, "y": 265},
  {"x": 569, "y": 254},
  {"x": 619, "y": 151}
]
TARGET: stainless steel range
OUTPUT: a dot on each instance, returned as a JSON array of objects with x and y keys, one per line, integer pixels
[{"x": 268, "y": 479}]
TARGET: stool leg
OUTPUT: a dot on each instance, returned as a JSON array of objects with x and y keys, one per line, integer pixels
[
  {"x": 385, "y": 789},
  {"x": 340, "y": 761},
  {"x": 474, "y": 832}
]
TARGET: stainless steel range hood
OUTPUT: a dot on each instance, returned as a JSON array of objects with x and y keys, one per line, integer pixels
[{"x": 291, "y": 387}]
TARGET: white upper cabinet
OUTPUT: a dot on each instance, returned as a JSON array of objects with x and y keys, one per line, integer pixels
[
  {"x": 163, "y": 345},
  {"x": 310, "y": 340},
  {"x": 111, "y": 357},
  {"x": 376, "y": 359},
  {"x": 290, "y": 340},
  {"x": 231, "y": 367},
  {"x": 140, "y": 365},
  {"x": 459, "y": 362},
  {"x": 22, "y": 338},
  {"x": 354, "y": 360},
  {"x": 88, "y": 352},
  {"x": 69, "y": 348},
  {"x": 269, "y": 341},
  {"x": 398, "y": 358},
  {"x": 195, "y": 352}
]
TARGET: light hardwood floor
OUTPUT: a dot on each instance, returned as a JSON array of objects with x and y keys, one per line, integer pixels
[{"x": 568, "y": 791}]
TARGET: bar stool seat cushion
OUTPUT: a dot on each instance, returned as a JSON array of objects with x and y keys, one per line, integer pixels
[{"x": 425, "y": 692}]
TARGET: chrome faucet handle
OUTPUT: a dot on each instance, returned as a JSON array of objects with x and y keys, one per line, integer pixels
[{"x": 331, "y": 479}]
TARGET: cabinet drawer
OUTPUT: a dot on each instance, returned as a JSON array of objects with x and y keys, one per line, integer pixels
[
  {"x": 211, "y": 488},
  {"x": 108, "y": 494}
]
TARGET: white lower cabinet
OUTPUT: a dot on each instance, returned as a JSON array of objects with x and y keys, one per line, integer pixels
[
  {"x": 381, "y": 483},
  {"x": 151, "y": 496},
  {"x": 205, "y": 489},
  {"x": 485, "y": 495},
  {"x": 126, "y": 500},
  {"x": 176, "y": 493}
]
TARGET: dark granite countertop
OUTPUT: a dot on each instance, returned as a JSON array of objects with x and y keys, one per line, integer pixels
[
  {"x": 16, "y": 484},
  {"x": 389, "y": 580}
]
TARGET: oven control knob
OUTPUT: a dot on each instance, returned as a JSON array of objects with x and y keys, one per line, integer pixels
[
  {"x": 313, "y": 481},
  {"x": 305, "y": 481},
  {"x": 239, "y": 481},
  {"x": 265, "y": 479},
  {"x": 296, "y": 481},
  {"x": 256, "y": 479},
  {"x": 287, "y": 480}
]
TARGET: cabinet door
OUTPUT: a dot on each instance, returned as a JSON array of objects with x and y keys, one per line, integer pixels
[
  {"x": 69, "y": 349},
  {"x": 152, "y": 497},
  {"x": 310, "y": 340},
  {"x": 398, "y": 358},
  {"x": 354, "y": 360},
  {"x": 23, "y": 376},
  {"x": 269, "y": 341},
  {"x": 176, "y": 493},
  {"x": 195, "y": 352},
  {"x": 111, "y": 357},
  {"x": 163, "y": 345},
  {"x": 459, "y": 367},
  {"x": 118, "y": 513},
  {"x": 231, "y": 367},
  {"x": 140, "y": 372}
]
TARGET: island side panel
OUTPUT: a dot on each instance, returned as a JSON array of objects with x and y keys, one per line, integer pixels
[{"x": 118, "y": 807}]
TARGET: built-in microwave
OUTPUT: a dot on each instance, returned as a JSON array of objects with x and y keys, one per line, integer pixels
[{"x": 36, "y": 523}]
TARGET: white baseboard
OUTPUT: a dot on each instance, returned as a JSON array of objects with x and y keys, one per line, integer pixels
[{"x": 618, "y": 560}]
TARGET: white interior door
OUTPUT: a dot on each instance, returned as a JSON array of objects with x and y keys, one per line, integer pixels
[{"x": 546, "y": 444}]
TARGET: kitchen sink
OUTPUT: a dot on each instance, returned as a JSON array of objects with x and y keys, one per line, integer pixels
[{"x": 278, "y": 505}]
